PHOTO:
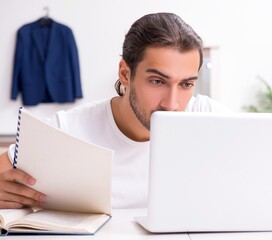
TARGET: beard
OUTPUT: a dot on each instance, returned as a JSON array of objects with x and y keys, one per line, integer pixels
[{"x": 140, "y": 113}]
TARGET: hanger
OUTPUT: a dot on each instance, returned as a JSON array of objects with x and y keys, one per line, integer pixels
[
  {"x": 45, "y": 21},
  {"x": 46, "y": 10}
]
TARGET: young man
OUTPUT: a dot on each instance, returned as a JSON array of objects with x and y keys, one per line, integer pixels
[{"x": 158, "y": 71}]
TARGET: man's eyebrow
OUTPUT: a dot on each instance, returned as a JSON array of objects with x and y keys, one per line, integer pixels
[
  {"x": 153, "y": 70},
  {"x": 190, "y": 78}
]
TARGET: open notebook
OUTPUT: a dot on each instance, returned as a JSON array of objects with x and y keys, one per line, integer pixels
[{"x": 74, "y": 174}]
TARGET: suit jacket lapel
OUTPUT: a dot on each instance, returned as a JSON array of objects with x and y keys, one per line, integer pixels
[
  {"x": 51, "y": 41},
  {"x": 37, "y": 38}
]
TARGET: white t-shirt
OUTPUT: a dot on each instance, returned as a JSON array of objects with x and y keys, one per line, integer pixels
[{"x": 94, "y": 122}]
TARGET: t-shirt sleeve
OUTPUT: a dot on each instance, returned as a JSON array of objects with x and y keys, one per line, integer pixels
[
  {"x": 53, "y": 121},
  {"x": 11, "y": 152},
  {"x": 219, "y": 107},
  {"x": 202, "y": 103}
]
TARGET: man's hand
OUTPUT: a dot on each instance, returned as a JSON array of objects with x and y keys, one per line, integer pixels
[
  {"x": 17, "y": 195},
  {"x": 14, "y": 194}
]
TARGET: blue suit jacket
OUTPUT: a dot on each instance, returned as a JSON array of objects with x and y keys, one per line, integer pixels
[{"x": 46, "y": 65}]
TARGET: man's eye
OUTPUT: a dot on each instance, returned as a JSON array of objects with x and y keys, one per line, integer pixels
[
  {"x": 187, "y": 85},
  {"x": 156, "y": 81}
]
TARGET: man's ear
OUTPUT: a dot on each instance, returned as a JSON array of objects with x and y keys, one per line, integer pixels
[{"x": 124, "y": 73}]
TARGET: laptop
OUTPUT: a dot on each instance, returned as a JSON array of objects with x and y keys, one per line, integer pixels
[{"x": 209, "y": 172}]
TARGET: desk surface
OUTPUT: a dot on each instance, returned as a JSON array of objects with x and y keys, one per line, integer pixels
[{"x": 123, "y": 227}]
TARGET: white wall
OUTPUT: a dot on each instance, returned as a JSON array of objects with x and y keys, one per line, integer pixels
[{"x": 239, "y": 31}]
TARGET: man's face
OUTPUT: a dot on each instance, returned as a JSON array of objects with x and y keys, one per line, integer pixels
[{"x": 164, "y": 80}]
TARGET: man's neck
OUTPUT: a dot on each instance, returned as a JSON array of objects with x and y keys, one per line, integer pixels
[{"x": 126, "y": 120}]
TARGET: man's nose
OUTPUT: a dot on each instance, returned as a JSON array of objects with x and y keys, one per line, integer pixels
[{"x": 170, "y": 101}]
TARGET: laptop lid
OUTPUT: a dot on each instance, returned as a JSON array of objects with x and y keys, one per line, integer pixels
[{"x": 210, "y": 172}]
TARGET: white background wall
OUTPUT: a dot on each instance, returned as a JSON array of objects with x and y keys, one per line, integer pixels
[{"x": 239, "y": 31}]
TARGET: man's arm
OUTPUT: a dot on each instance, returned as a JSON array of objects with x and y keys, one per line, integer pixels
[
  {"x": 5, "y": 163},
  {"x": 14, "y": 194}
]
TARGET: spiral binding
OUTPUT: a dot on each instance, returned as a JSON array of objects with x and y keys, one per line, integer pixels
[{"x": 17, "y": 138}]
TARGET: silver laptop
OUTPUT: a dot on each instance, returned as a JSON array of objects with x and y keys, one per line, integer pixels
[{"x": 210, "y": 172}]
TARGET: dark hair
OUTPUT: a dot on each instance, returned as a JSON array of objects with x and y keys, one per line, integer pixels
[{"x": 157, "y": 30}]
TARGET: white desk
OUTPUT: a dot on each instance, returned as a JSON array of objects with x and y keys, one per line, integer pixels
[{"x": 123, "y": 227}]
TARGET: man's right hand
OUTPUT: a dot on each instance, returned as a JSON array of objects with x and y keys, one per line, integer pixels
[{"x": 13, "y": 192}]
